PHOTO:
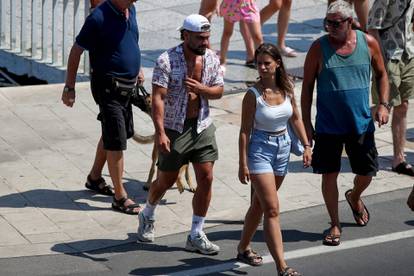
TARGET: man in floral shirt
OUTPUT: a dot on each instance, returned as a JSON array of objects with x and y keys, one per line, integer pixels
[
  {"x": 185, "y": 78},
  {"x": 391, "y": 23}
]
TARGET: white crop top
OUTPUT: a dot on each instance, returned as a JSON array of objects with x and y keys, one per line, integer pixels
[{"x": 271, "y": 118}]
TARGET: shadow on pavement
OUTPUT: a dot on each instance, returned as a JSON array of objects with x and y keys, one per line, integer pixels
[
  {"x": 68, "y": 200},
  {"x": 87, "y": 248},
  {"x": 190, "y": 263},
  {"x": 410, "y": 222}
]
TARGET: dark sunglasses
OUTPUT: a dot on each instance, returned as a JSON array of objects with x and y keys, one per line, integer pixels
[
  {"x": 205, "y": 28},
  {"x": 333, "y": 23}
]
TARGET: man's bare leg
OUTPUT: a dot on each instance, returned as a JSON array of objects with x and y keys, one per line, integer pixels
[
  {"x": 99, "y": 162},
  {"x": 330, "y": 195},
  {"x": 399, "y": 129}
]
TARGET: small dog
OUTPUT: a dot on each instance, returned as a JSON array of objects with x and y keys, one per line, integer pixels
[{"x": 142, "y": 99}]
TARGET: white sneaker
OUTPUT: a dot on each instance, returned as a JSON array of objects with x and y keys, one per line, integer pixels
[
  {"x": 146, "y": 231},
  {"x": 202, "y": 245}
]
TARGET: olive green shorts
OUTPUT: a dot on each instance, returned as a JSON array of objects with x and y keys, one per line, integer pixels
[
  {"x": 401, "y": 78},
  {"x": 189, "y": 146}
]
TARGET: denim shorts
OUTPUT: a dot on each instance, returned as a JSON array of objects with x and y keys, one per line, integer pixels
[{"x": 268, "y": 153}]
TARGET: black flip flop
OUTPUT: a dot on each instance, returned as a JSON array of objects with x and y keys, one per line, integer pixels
[
  {"x": 357, "y": 215},
  {"x": 402, "y": 168},
  {"x": 331, "y": 240}
]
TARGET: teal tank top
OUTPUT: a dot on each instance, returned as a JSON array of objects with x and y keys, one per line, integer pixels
[{"x": 343, "y": 90}]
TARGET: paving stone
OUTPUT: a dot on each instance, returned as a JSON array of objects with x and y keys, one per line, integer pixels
[{"x": 9, "y": 235}]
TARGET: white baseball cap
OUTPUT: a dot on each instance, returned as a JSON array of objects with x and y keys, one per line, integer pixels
[{"x": 196, "y": 23}]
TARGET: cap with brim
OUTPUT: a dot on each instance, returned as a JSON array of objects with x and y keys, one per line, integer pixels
[{"x": 196, "y": 23}]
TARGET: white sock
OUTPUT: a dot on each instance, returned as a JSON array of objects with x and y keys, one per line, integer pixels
[
  {"x": 197, "y": 226},
  {"x": 149, "y": 210}
]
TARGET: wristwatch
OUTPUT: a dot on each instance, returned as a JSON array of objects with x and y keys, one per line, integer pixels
[
  {"x": 386, "y": 105},
  {"x": 68, "y": 89}
]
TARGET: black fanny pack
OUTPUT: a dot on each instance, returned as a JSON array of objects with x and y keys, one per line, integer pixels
[{"x": 124, "y": 87}]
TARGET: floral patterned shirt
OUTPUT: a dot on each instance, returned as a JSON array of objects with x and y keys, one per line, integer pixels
[
  {"x": 397, "y": 36},
  {"x": 170, "y": 72}
]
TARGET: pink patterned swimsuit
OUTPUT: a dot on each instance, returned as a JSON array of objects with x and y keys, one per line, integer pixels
[{"x": 240, "y": 10}]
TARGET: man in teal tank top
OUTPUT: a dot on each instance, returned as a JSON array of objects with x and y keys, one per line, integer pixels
[{"x": 340, "y": 63}]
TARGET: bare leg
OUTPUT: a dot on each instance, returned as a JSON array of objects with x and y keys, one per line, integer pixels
[
  {"x": 330, "y": 195},
  {"x": 207, "y": 8},
  {"x": 202, "y": 195},
  {"x": 265, "y": 189},
  {"x": 283, "y": 23},
  {"x": 225, "y": 40},
  {"x": 361, "y": 10},
  {"x": 99, "y": 162},
  {"x": 116, "y": 168},
  {"x": 248, "y": 41},
  {"x": 256, "y": 33},
  {"x": 269, "y": 10},
  {"x": 251, "y": 222},
  {"x": 399, "y": 128},
  {"x": 360, "y": 184},
  {"x": 115, "y": 161},
  {"x": 158, "y": 188}
]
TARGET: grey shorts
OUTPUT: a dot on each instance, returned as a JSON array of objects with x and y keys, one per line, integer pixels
[{"x": 189, "y": 146}]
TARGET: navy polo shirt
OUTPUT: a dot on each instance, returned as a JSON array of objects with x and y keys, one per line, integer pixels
[{"x": 112, "y": 41}]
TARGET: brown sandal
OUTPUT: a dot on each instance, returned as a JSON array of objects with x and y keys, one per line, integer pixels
[{"x": 250, "y": 257}]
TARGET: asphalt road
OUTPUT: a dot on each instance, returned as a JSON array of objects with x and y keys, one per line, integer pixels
[{"x": 384, "y": 247}]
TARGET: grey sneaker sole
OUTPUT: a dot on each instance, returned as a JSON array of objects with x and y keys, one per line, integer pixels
[
  {"x": 142, "y": 239},
  {"x": 190, "y": 248}
]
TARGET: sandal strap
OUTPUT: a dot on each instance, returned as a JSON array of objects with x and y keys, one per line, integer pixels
[
  {"x": 120, "y": 202},
  {"x": 288, "y": 271}
]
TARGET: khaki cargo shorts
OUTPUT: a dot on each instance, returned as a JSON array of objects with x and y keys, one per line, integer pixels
[
  {"x": 401, "y": 78},
  {"x": 189, "y": 146}
]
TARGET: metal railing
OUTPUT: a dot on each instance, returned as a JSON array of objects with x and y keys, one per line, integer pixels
[{"x": 43, "y": 30}]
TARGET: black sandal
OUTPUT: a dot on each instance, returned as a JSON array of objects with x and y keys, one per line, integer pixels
[
  {"x": 288, "y": 271},
  {"x": 118, "y": 205},
  {"x": 250, "y": 257},
  {"x": 99, "y": 186}
]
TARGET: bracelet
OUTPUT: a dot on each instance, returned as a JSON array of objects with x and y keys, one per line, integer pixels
[
  {"x": 307, "y": 146},
  {"x": 68, "y": 89},
  {"x": 386, "y": 105}
]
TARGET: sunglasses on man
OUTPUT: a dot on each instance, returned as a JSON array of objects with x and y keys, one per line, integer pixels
[{"x": 334, "y": 23}]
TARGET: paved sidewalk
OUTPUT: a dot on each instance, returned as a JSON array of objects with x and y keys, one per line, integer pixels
[{"x": 47, "y": 150}]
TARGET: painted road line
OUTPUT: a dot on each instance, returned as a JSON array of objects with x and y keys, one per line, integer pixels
[{"x": 300, "y": 253}]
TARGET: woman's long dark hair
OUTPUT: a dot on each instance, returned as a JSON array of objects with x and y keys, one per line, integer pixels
[{"x": 282, "y": 79}]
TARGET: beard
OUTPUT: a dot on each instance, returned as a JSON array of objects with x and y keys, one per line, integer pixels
[{"x": 197, "y": 51}]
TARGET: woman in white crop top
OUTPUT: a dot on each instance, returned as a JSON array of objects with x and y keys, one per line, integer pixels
[{"x": 264, "y": 148}]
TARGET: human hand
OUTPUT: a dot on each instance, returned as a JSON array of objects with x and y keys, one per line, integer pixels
[
  {"x": 381, "y": 115},
  {"x": 244, "y": 174},
  {"x": 307, "y": 156},
  {"x": 141, "y": 77},
  {"x": 163, "y": 143},
  {"x": 193, "y": 85},
  {"x": 68, "y": 98}
]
